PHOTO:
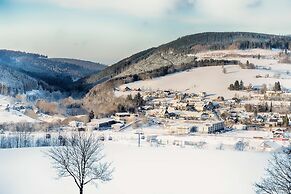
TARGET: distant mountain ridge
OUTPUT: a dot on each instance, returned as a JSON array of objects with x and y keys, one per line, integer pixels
[
  {"x": 181, "y": 52},
  {"x": 25, "y": 71},
  {"x": 83, "y": 63}
]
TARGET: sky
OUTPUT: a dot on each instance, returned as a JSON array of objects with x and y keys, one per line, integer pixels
[{"x": 107, "y": 31}]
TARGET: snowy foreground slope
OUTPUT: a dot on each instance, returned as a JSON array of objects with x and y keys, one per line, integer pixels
[{"x": 145, "y": 170}]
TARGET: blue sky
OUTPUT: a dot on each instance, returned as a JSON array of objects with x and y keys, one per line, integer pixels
[{"x": 109, "y": 30}]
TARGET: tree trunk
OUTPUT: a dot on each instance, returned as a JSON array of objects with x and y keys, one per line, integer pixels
[{"x": 81, "y": 190}]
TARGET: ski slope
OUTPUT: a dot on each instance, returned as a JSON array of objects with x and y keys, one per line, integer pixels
[{"x": 144, "y": 170}]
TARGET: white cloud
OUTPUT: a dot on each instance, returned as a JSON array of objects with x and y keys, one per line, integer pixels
[
  {"x": 140, "y": 8},
  {"x": 250, "y": 15},
  {"x": 102, "y": 38},
  {"x": 209, "y": 10}
]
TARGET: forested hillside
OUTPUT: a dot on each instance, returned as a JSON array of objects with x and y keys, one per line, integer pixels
[
  {"x": 26, "y": 71},
  {"x": 180, "y": 54}
]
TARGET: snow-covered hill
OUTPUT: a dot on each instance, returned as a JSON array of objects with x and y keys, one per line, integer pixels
[
  {"x": 180, "y": 54},
  {"x": 214, "y": 81}
]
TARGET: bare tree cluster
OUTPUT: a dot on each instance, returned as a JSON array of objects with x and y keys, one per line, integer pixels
[
  {"x": 22, "y": 134},
  {"x": 27, "y": 139},
  {"x": 47, "y": 107}
]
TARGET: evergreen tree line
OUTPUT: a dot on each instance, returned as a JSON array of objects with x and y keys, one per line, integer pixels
[
  {"x": 259, "y": 108},
  {"x": 277, "y": 86},
  {"x": 264, "y": 45},
  {"x": 237, "y": 86}
]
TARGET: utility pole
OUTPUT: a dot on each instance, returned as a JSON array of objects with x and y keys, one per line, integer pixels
[
  {"x": 139, "y": 133},
  {"x": 139, "y": 140}
]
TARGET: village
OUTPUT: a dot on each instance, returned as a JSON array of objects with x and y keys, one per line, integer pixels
[
  {"x": 257, "y": 121},
  {"x": 176, "y": 117}
]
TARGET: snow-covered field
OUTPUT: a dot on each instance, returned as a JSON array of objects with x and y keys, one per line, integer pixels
[
  {"x": 12, "y": 115},
  {"x": 145, "y": 170},
  {"x": 212, "y": 79}
]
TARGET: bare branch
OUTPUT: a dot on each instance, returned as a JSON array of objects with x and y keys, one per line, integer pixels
[
  {"x": 82, "y": 159},
  {"x": 278, "y": 175}
]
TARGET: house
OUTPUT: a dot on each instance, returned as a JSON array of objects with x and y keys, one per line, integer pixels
[
  {"x": 220, "y": 98},
  {"x": 127, "y": 89},
  {"x": 200, "y": 106},
  {"x": 190, "y": 101},
  {"x": 230, "y": 102},
  {"x": 273, "y": 93},
  {"x": 190, "y": 115},
  {"x": 204, "y": 116},
  {"x": 170, "y": 115},
  {"x": 101, "y": 124},
  {"x": 239, "y": 127},
  {"x": 210, "y": 127},
  {"x": 233, "y": 114},
  {"x": 211, "y": 105},
  {"x": 202, "y": 94},
  {"x": 272, "y": 121},
  {"x": 147, "y": 107},
  {"x": 123, "y": 116},
  {"x": 117, "y": 126},
  {"x": 163, "y": 102},
  {"x": 257, "y": 87},
  {"x": 181, "y": 128},
  {"x": 278, "y": 133},
  {"x": 180, "y": 105},
  {"x": 76, "y": 124},
  {"x": 259, "y": 118}
]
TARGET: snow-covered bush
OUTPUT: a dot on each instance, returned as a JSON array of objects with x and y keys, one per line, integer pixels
[{"x": 240, "y": 145}]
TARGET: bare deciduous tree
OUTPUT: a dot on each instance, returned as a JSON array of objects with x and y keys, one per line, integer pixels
[
  {"x": 278, "y": 175},
  {"x": 82, "y": 159}
]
